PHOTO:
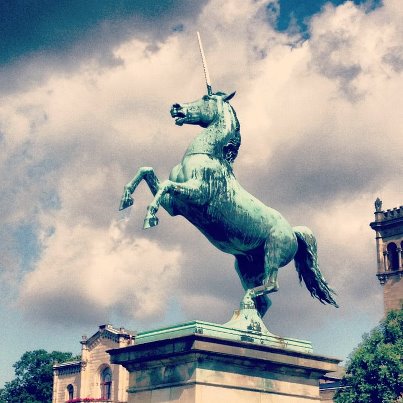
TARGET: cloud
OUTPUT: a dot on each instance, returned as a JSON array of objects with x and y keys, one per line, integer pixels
[
  {"x": 321, "y": 128},
  {"x": 39, "y": 38},
  {"x": 86, "y": 271},
  {"x": 318, "y": 140},
  {"x": 28, "y": 28}
]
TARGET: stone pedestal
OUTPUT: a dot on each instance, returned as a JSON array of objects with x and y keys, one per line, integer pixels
[{"x": 205, "y": 363}]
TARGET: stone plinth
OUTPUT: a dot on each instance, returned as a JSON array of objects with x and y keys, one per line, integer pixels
[{"x": 190, "y": 363}]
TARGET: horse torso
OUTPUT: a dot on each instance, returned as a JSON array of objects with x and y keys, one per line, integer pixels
[{"x": 231, "y": 218}]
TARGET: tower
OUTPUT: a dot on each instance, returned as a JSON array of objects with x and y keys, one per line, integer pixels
[{"x": 388, "y": 226}]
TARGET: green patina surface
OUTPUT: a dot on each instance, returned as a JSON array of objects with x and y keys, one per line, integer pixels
[
  {"x": 224, "y": 332},
  {"x": 245, "y": 325},
  {"x": 203, "y": 189}
]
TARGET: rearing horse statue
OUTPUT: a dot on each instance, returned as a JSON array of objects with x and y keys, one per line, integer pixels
[{"x": 203, "y": 189}]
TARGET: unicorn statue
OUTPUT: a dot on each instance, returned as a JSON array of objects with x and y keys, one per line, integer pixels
[{"x": 203, "y": 189}]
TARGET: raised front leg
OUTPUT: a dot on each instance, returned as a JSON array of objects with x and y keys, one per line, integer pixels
[
  {"x": 146, "y": 173},
  {"x": 192, "y": 190}
]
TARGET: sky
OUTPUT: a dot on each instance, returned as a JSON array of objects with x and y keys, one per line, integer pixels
[{"x": 85, "y": 93}]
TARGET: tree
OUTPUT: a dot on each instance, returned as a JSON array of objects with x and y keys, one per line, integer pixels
[
  {"x": 375, "y": 368},
  {"x": 33, "y": 381}
]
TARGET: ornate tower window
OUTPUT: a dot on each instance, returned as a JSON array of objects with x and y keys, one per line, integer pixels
[
  {"x": 393, "y": 258},
  {"x": 70, "y": 392},
  {"x": 106, "y": 383}
]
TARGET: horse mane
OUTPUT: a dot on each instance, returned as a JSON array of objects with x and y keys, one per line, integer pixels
[{"x": 230, "y": 150}]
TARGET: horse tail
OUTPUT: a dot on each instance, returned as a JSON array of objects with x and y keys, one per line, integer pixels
[{"x": 306, "y": 263}]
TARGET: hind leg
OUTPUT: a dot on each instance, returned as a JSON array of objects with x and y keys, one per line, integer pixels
[
  {"x": 270, "y": 283},
  {"x": 276, "y": 256},
  {"x": 278, "y": 252},
  {"x": 248, "y": 270},
  {"x": 262, "y": 304}
]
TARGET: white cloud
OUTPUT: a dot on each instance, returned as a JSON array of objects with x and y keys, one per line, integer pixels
[{"x": 107, "y": 269}]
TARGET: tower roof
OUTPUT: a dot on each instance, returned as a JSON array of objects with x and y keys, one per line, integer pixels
[{"x": 388, "y": 222}]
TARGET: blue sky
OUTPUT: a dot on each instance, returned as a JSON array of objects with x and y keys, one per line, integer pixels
[
  {"x": 85, "y": 92},
  {"x": 28, "y": 27}
]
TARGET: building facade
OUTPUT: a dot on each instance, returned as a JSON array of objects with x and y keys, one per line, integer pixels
[
  {"x": 93, "y": 378},
  {"x": 388, "y": 226}
]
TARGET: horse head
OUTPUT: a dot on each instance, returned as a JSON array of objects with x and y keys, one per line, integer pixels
[
  {"x": 202, "y": 112},
  {"x": 221, "y": 136}
]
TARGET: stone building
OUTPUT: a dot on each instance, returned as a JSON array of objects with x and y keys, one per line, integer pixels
[
  {"x": 93, "y": 378},
  {"x": 329, "y": 385},
  {"x": 388, "y": 226}
]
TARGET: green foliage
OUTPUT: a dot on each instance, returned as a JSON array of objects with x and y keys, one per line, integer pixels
[
  {"x": 375, "y": 368},
  {"x": 33, "y": 381}
]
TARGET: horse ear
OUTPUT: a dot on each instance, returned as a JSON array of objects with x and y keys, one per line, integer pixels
[{"x": 229, "y": 97}]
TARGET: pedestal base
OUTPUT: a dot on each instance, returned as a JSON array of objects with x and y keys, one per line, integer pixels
[{"x": 191, "y": 366}]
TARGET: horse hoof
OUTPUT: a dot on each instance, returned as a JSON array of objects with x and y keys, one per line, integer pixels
[
  {"x": 150, "y": 222},
  {"x": 273, "y": 288},
  {"x": 125, "y": 203}
]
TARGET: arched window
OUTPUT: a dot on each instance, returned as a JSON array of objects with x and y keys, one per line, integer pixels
[
  {"x": 106, "y": 383},
  {"x": 393, "y": 258},
  {"x": 70, "y": 392}
]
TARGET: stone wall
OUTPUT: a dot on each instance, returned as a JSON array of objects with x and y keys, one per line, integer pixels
[
  {"x": 393, "y": 293},
  {"x": 85, "y": 375},
  {"x": 60, "y": 386}
]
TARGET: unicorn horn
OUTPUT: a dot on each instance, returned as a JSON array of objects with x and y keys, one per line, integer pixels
[{"x": 206, "y": 74}]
